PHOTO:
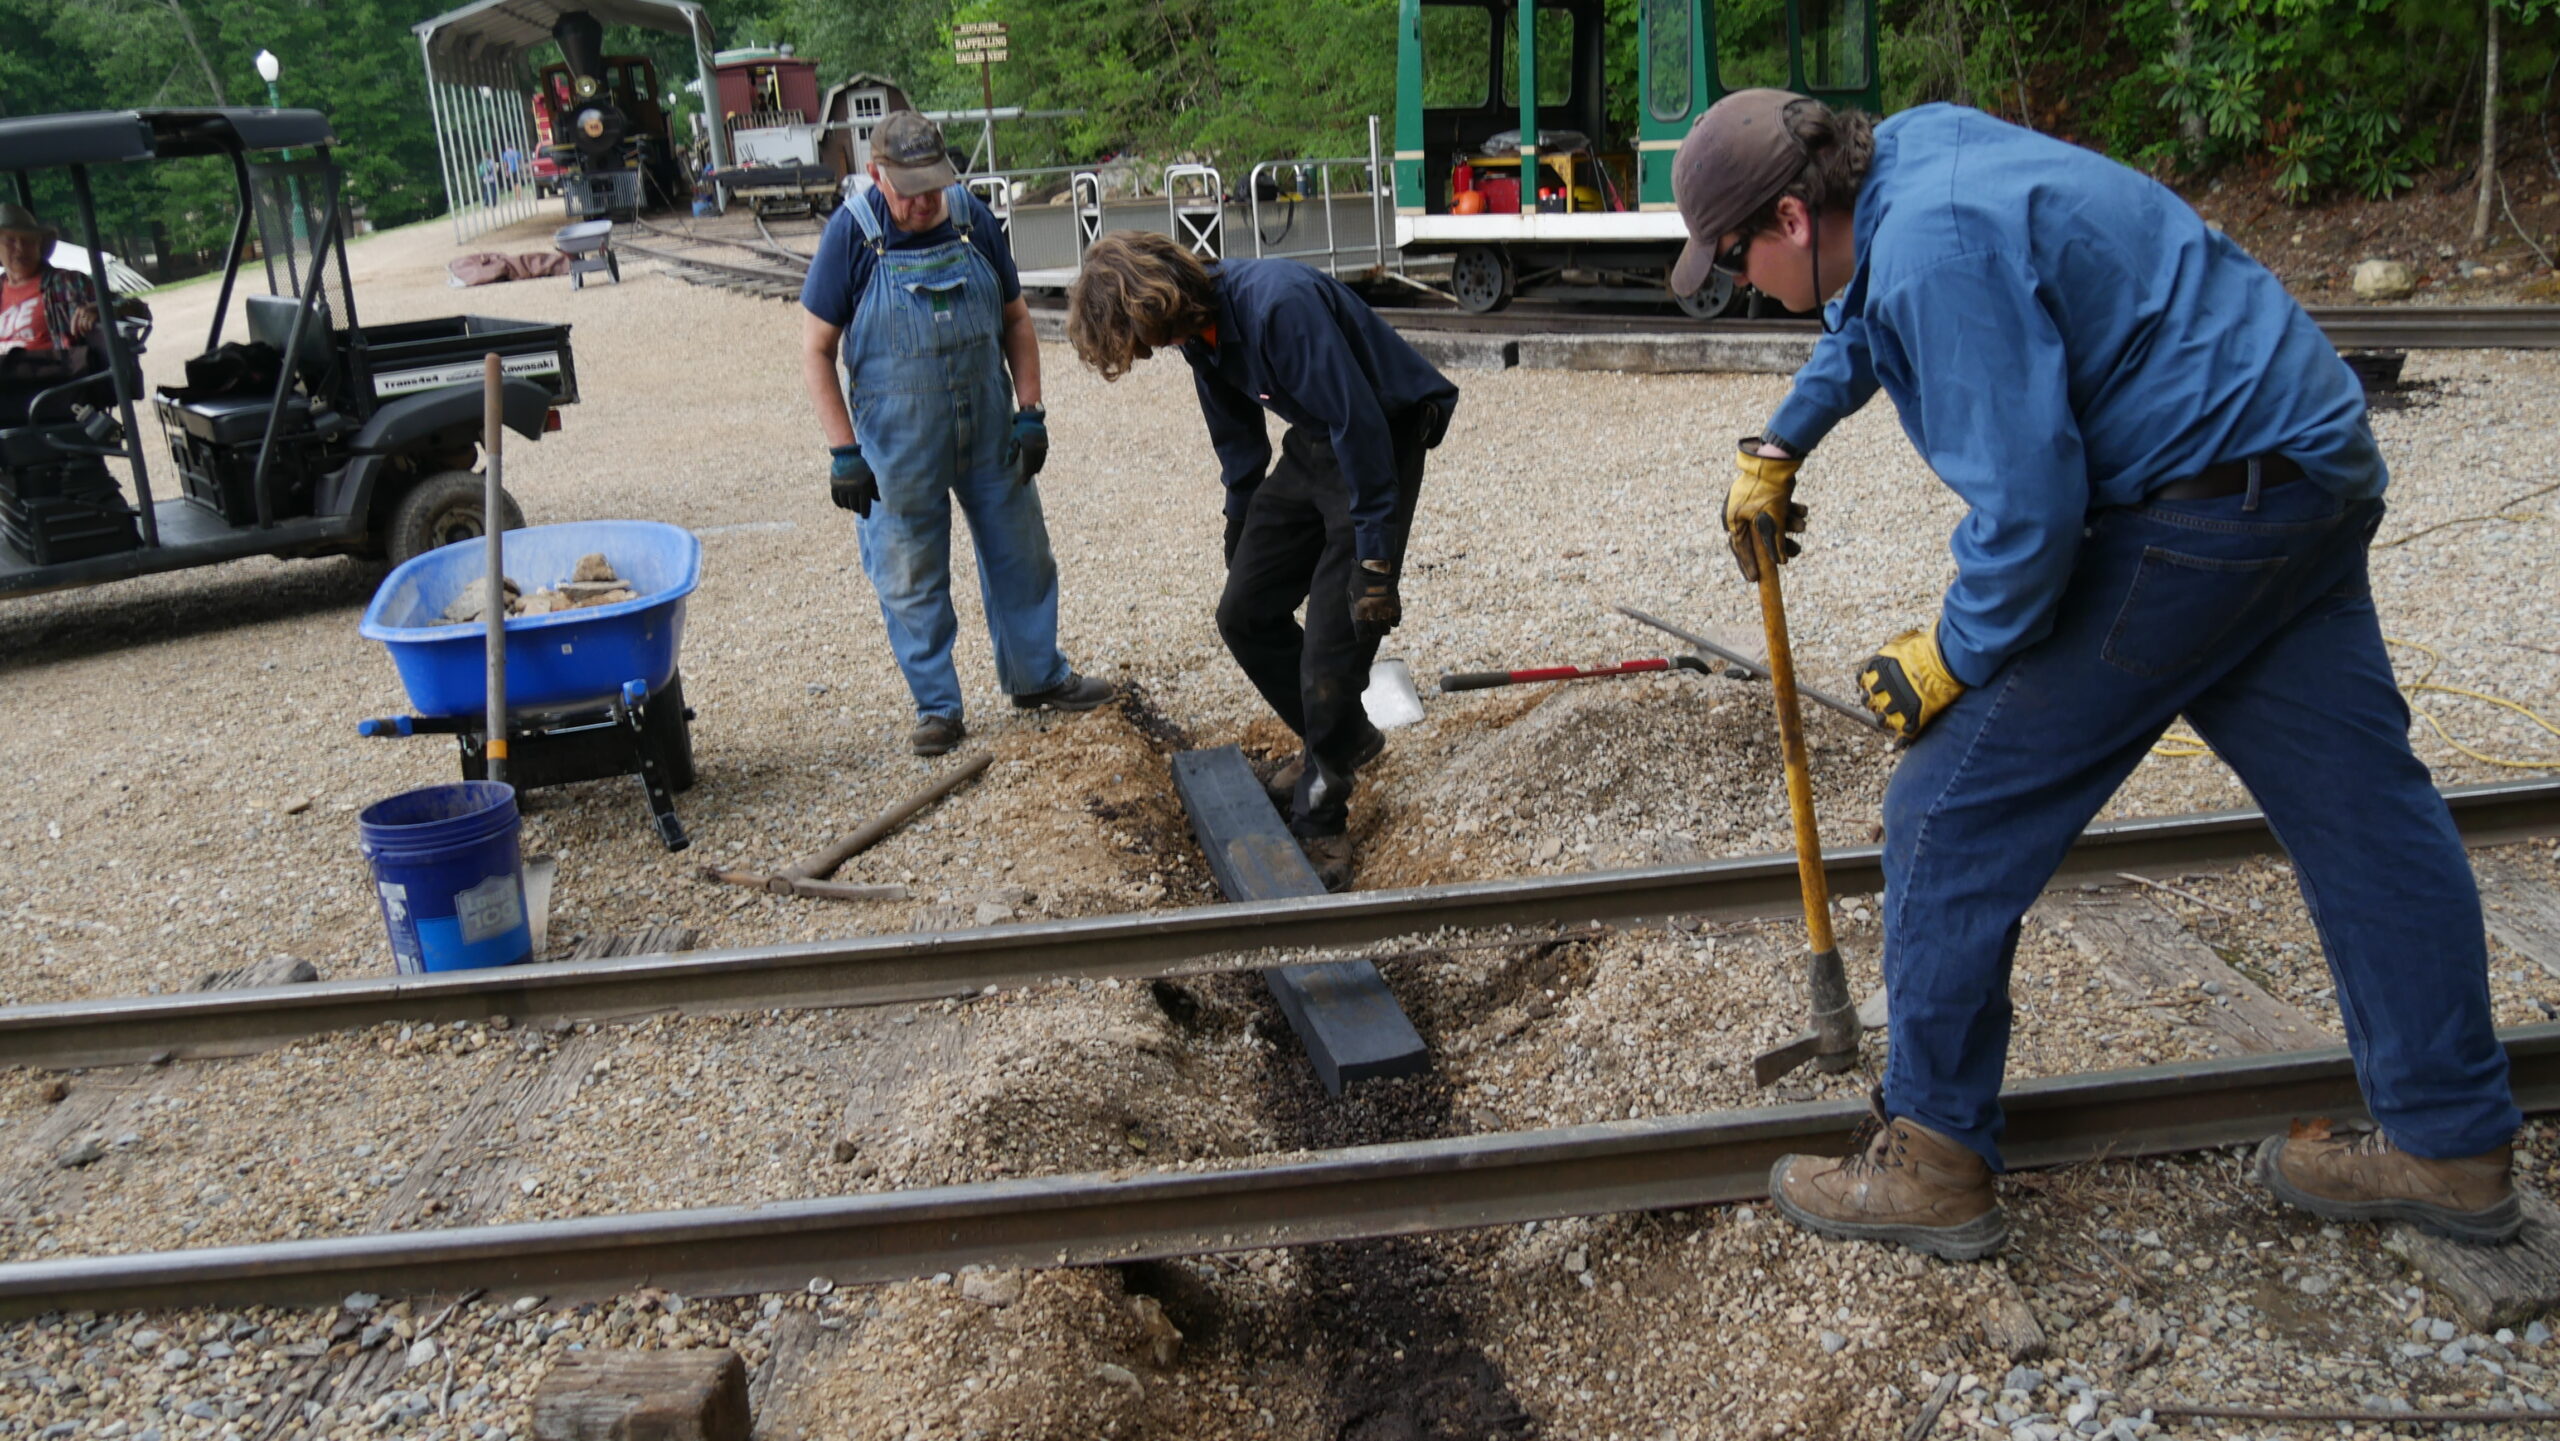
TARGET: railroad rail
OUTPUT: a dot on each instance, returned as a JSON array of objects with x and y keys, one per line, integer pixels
[
  {"x": 2349, "y": 327},
  {"x": 884, "y": 970},
  {"x": 1358, "y": 1193}
]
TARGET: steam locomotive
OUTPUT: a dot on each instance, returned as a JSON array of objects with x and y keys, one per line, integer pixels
[{"x": 605, "y": 128}]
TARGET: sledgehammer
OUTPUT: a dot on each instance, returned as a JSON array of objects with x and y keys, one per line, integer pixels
[{"x": 1835, "y": 1016}]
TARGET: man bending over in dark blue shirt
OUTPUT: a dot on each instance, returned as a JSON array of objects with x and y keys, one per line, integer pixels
[
  {"x": 2171, "y": 488},
  {"x": 1327, "y": 525}
]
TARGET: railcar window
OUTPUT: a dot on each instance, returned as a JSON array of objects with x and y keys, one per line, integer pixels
[
  {"x": 1667, "y": 37},
  {"x": 1751, "y": 43},
  {"x": 1457, "y": 56},
  {"x": 1835, "y": 44},
  {"x": 1555, "y": 56}
]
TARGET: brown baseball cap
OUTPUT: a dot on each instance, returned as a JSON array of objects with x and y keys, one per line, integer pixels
[
  {"x": 1738, "y": 155},
  {"x": 911, "y": 155}
]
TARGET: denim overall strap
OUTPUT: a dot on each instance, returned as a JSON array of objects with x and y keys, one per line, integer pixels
[{"x": 932, "y": 406}]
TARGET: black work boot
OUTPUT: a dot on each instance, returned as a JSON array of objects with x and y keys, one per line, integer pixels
[
  {"x": 1900, "y": 1182},
  {"x": 1076, "y": 692}
]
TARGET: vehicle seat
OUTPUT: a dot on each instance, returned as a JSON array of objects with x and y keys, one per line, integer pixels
[
  {"x": 242, "y": 419},
  {"x": 271, "y": 320}
]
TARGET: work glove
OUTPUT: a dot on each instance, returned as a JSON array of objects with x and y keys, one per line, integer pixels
[
  {"x": 1763, "y": 491},
  {"x": 1235, "y": 532},
  {"x": 850, "y": 481},
  {"x": 1375, "y": 607},
  {"x": 1907, "y": 683},
  {"x": 1030, "y": 442}
]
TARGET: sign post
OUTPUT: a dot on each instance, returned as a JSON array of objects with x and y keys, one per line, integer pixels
[{"x": 982, "y": 43}]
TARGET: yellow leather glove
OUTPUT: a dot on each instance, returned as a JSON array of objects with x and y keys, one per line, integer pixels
[
  {"x": 1907, "y": 683},
  {"x": 1765, "y": 487}
]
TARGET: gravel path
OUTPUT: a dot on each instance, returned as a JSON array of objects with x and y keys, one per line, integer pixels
[{"x": 141, "y": 853}]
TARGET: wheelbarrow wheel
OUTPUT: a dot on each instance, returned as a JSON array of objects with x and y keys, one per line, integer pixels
[{"x": 444, "y": 509}]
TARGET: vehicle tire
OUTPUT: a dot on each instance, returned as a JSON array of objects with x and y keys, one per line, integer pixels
[
  {"x": 1480, "y": 276},
  {"x": 442, "y": 509},
  {"x": 1710, "y": 300}
]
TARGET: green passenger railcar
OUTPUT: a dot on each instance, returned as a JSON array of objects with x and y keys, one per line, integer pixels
[{"x": 1563, "y": 186}]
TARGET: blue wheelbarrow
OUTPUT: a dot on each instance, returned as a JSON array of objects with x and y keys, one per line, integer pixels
[{"x": 591, "y": 693}]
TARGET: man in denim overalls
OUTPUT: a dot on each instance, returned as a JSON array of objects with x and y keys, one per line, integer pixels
[
  {"x": 915, "y": 284},
  {"x": 2171, "y": 488}
]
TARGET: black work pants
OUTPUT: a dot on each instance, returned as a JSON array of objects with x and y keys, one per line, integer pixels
[{"x": 1297, "y": 546}]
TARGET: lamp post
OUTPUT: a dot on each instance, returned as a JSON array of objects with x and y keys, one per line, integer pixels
[{"x": 269, "y": 67}]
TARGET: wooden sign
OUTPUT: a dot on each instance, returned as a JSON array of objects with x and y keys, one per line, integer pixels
[{"x": 980, "y": 42}]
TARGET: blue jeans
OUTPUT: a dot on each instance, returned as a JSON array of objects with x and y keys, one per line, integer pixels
[
  {"x": 931, "y": 407},
  {"x": 2253, "y": 616}
]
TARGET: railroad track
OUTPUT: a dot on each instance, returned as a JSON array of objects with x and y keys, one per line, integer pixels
[
  {"x": 883, "y": 970},
  {"x": 2349, "y": 327},
  {"x": 1358, "y": 1193},
  {"x": 776, "y": 273}
]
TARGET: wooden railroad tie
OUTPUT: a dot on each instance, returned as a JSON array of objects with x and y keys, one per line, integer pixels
[{"x": 1342, "y": 1010}]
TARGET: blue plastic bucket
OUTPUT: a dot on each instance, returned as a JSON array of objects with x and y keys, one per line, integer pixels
[{"x": 450, "y": 877}]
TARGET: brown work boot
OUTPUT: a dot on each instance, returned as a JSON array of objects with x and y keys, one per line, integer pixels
[
  {"x": 2361, "y": 1176},
  {"x": 1331, "y": 856},
  {"x": 1282, "y": 784},
  {"x": 1900, "y": 1182},
  {"x": 936, "y": 735}
]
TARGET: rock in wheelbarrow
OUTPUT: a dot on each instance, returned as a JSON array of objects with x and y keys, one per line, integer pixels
[
  {"x": 465, "y": 607},
  {"x": 593, "y": 567}
]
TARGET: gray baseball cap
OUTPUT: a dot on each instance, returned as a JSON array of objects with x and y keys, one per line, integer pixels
[
  {"x": 909, "y": 151},
  {"x": 1738, "y": 156}
]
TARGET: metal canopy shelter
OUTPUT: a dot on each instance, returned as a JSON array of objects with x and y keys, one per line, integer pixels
[{"x": 480, "y": 91}]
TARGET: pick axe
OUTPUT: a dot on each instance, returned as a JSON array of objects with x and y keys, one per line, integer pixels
[{"x": 1835, "y": 1018}]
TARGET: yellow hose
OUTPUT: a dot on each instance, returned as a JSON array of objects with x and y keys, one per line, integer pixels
[{"x": 2180, "y": 745}]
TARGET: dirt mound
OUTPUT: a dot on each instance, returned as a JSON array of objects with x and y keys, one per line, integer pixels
[
  {"x": 1036, "y": 1356},
  {"x": 1087, "y": 805},
  {"x": 1597, "y": 775},
  {"x": 1081, "y": 1081}
]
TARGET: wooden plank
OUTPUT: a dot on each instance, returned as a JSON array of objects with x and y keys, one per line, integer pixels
[
  {"x": 1343, "y": 1011},
  {"x": 661, "y": 940},
  {"x": 2491, "y": 1286},
  {"x": 633, "y": 1395},
  {"x": 2520, "y": 899},
  {"x": 2150, "y": 956},
  {"x": 2141, "y": 947}
]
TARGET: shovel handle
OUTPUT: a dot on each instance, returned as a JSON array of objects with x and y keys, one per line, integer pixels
[{"x": 1782, "y": 683}]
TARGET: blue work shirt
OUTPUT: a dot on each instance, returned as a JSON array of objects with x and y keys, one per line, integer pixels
[
  {"x": 2060, "y": 334},
  {"x": 841, "y": 270},
  {"x": 1296, "y": 341}
]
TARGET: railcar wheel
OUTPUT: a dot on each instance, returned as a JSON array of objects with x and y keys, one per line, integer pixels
[
  {"x": 1709, "y": 300},
  {"x": 444, "y": 509},
  {"x": 1481, "y": 277}
]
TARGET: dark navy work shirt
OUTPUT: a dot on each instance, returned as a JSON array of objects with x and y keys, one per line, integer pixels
[
  {"x": 841, "y": 270},
  {"x": 1295, "y": 341},
  {"x": 2060, "y": 334}
]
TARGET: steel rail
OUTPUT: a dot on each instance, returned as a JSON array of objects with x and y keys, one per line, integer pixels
[
  {"x": 768, "y": 274},
  {"x": 770, "y": 246},
  {"x": 884, "y": 970},
  {"x": 2349, "y": 327},
  {"x": 1359, "y": 1193}
]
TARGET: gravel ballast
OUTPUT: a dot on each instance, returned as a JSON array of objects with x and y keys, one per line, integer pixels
[{"x": 188, "y": 772}]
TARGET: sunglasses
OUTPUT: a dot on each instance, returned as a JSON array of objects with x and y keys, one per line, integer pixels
[{"x": 1730, "y": 261}]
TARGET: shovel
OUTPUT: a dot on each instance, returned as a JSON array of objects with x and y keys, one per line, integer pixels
[{"x": 1835, "y": 1018}]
